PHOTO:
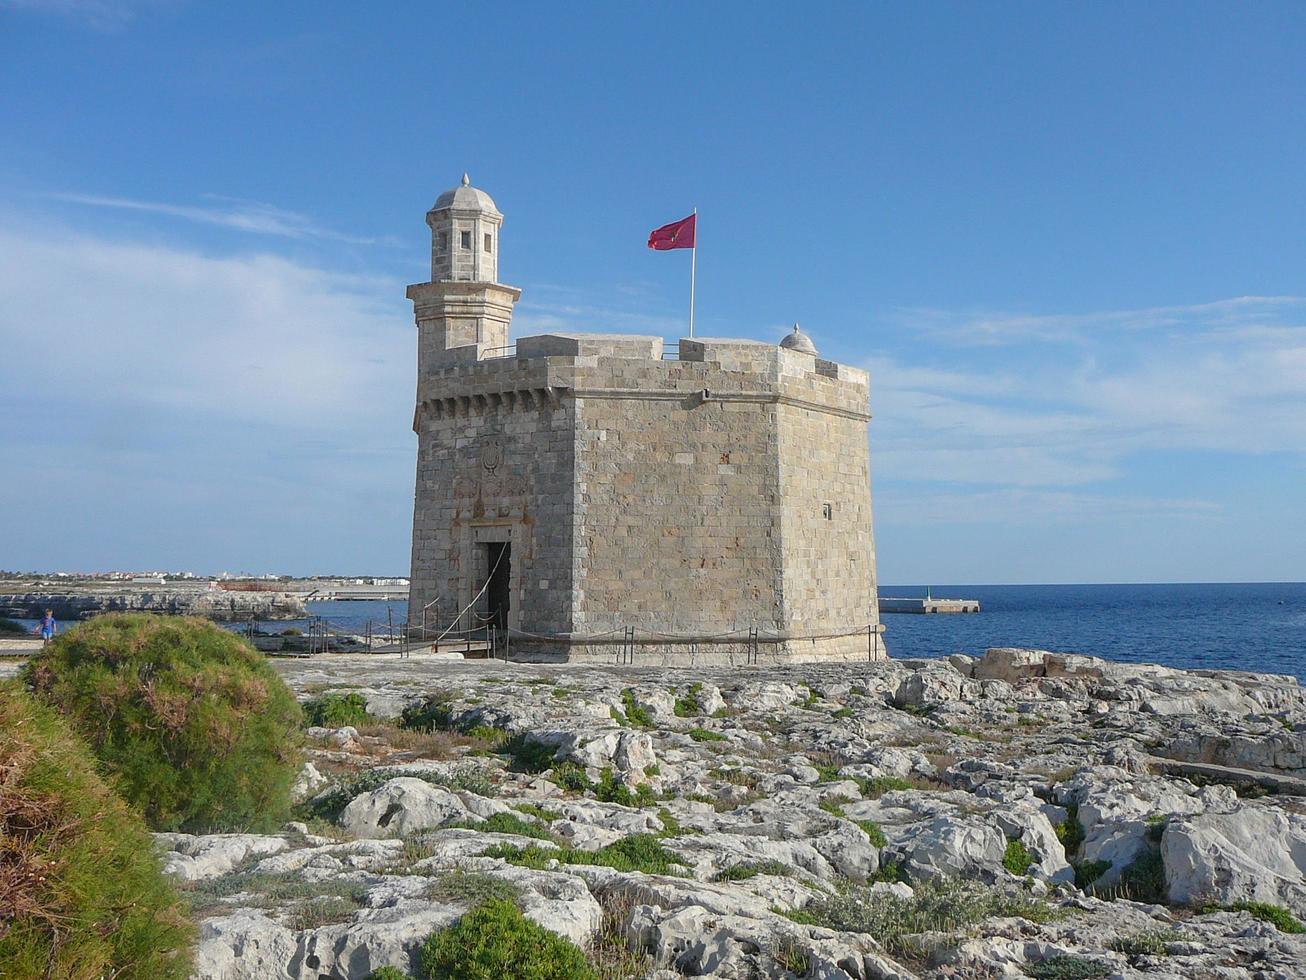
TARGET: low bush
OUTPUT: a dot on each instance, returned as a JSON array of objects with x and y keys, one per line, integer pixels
[
  {"x": 1017, "y": 858},
  {"x": 9, "y": 628},
  {"x": 503, "y": 823},
  {"x": 945, "y": 905},
  {"x": 198, "y": 732},
  {"x": 610, "y": 790},
  {"x": 433, "y": 714},
  {"x": 494, "y": 941},
  {"x": 873, "y": 831},
  {"x": 388, "y": 973},
  {"x": 1070, "y": 831},
  {"x": 329, "y": 805},
  {"x": 1068, "y": 968},
  {"x": 637, "y": 852},
  {"x": 336, "y": 710},
  {"x": 1143, "y": 881},
  {"x": 751, "y": 869},
  {"x": 873, "y": 788},
  {"x": 1087, "y": 872},
  {"x": 1275, "y": 915},
  {"x": 1150, "y": 942},
  {"x": 705, "y": 735},
  {"x": 471, "y": 886},
  {"x": 688, "y": 705},
  {"x": 637, "y": 716},
  {"x": 526, "y": 754},
  {"x": 81, "y": 892}
]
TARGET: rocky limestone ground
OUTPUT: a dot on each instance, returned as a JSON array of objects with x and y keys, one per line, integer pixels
[{"x": 1024, "y": 814}]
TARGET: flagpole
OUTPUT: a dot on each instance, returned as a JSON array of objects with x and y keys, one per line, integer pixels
[{"x": 693, "y": 269}]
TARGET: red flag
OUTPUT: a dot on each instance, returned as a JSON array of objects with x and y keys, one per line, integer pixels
[{"x": 678, "y": 234}]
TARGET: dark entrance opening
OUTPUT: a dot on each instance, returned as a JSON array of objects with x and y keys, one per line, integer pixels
[{"x": 497, "y": 593}]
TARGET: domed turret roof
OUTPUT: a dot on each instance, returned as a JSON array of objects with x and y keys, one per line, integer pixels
[
  {"x": 799, "y": 341},
  {"x": 465, "y": 197}
]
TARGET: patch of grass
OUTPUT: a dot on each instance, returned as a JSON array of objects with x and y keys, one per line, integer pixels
[
  {"x": 751, "y": 869},
  {"x": 832, "y": 807},
  {"x": 1068, "y": 968},
  {"x": 570, "y": 776},
  {"x": 1150, "y": 942},
  {"x": 388, "y": 973},
  {"x": 526, "y": 754},
  {"x": 433, "y": 714},
  {"x": 704, "y": 735},
  {"x": 336, "y": 711},
  {"x": 702, "y": 798},
  {"x": 495, "y": 940},
  {"x": 827, "y": 771},
  {"x": 945, "y": 905},
  {"x": 808, "y": 703},
  {"x": 790, "y": 954},
  {"x": 1017, "y": 858},
  {"x": 688, "y": 705},
  {"x": 724, "y": 712},
  {"x": 471, "y": 886},
  {"x": 9, "y": 628},
  {"x": 502, "y": 823},
  {"x": 637, "y": 716},
  {"x": 888, "y": 872},
  {"x": 670, "y": 825},
  {"x": 608, "y": 952},
  {"x": 198, "y": 732},
  {"x": 322, "y": 910},
  {"x": 81, "y": 892},
  {"x": 841, "y": 713},
  {"x": 1087, "y": 872},
  {"x": 1276, "y": 915},
  {"x": 738, "y": 777},
  {"x": 1070, "y": 831},
  {"x": 538, "y": 812},
  {"x": 610, "y": 790},
  {"x": 1156, "y": 827},
  {"x": 873, "y": 831},
  {"x": 1143, "y": 881},
  {"x": 637, "y": 852},
  {"x": 619, "y": 717},
  {"x": 487, "y": 733},
  {"x": 877, "y": 787}
]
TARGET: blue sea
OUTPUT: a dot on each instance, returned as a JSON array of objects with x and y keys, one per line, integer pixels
[{"x": 1257, "y": 627}]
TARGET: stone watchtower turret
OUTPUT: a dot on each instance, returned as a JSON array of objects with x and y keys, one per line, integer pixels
[
  {"x": 596, "y": 496},
  {"x": 464, "y": 308}
]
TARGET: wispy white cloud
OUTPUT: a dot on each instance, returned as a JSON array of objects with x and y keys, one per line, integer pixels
[
  {"x": 98, "y": 15},
  {"x": 248, "y": 216},
  {"x": 1230, "y": 377}
]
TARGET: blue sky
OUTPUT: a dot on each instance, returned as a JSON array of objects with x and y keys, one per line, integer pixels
[{"x": 1067, "y": 240}]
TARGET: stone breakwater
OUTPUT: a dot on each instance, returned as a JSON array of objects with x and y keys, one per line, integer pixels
[
  {"x": 216, "y": 604},
  {"x": 802, "y": 821}
]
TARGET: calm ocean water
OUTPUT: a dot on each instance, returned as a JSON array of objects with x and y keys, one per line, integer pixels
[{"x": 1259, "y": 627}]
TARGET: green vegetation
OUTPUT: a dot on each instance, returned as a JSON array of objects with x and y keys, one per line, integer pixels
[
  {"x": 9, "y": 628},
  {"x": 1087, "y": 872},
  {"x": 832, "y": 807},
  {"x": 571, "y": 777},
  {"x": 873, "y": 788},
  {"x": 619, "y": 717},
  {"x": 474, "y": 887},
  {"x": 844, "y": 712},
  {"x": 637, "y": 716},
  {"x": 538, "y": 812},
  {"x": 689, "y": 705},
  {"x": 199, "y": 733},
  {"x": 502, "y": 823},
  {"x": 1143, "y": 881},
  {"x": 433, "y": 714},
  {"x": 270, "y": 890},
  {"x": 1017, "y": 858},
  {"x": 1070, "y": 831},
  {"x": 61, "y": 830},
  {"x": 1068, "y": 968},
  {"x": 336, "y": 710},
  {"x": 873, "y": 831},
  {"x": 638, "y": 852},
  {"x": 946, "y": 905},
  {"x": 827, "y": 771},
  {"x": 704, "y": 735},
  {"x": 1275, "y": 915},
  {"x": 388, "y": 973},
  {"x": 1151, "y": 942},
  {"x": 494, "y": 941},
  {"x": 789, "y": 954},
  {"x": 526, "y": 754},
  {"x": 751, "y": 869}
]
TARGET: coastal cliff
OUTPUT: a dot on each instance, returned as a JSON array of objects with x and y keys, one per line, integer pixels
[{"x": 215, "y": 604}]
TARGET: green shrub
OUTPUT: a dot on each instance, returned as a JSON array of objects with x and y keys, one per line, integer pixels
[
  {"x": 1150, "y": 942},
  {"x": 1087, "y": 872},
  {"x": 9, "y": 628},
  {"x": 336, "y": 710},
  {"x": 80, "y": 886},
  {"x": 1070, "y": 831},
  {"x": 503, "y": 823},
  {"x": 494, "y": 941},
  {"x": 388, "y": 973},
  {"x": 471, "y": 886},
  {"x": 1068, "y": 968},
  {"x": 610, "y": 790},
  {"x": 704, "y": 735},
  {"x": 689, "y": 705},
  {"x": 1275, "y": 915},
  {"x": 637, "y": 852},
  {"x": 571, "y": 777},
  {"x": 880, "y": 785},
  {"x": 328, "y": 805},
  {"x": 199, "y": 733},
  {"x": 1017, "y": 858},
  {"x": 945, "y": 905},
  {"x": 872, "y": 830},
  {"x": 433, "y": 714},
  {"x": 526, "y": 754},
  {"x": 844, "y": 712},
  {"x": 637, "y": 716},
  {"x": 1143, "y": 881},
  {"x": 751, "y": 869}
]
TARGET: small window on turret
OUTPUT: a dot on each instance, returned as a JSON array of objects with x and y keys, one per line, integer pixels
[
  {"x": 444, "y": 241},
  {"x": 467, "y": 239},
  {"x": 488, "y": 240}
]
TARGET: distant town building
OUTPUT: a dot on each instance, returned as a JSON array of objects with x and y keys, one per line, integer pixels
[{"x": 600, "y": 497}]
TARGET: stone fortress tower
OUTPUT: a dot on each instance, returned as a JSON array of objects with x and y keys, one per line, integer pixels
[{"x": 596, "y": 497}]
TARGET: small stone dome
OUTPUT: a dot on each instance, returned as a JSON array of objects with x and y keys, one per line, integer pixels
[
  {"x": 465, "y": 197},
  {"x": 799, "y": 341}
]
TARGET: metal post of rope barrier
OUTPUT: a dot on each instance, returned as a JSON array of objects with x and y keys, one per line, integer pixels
[{"x": 754, "y": 647}]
